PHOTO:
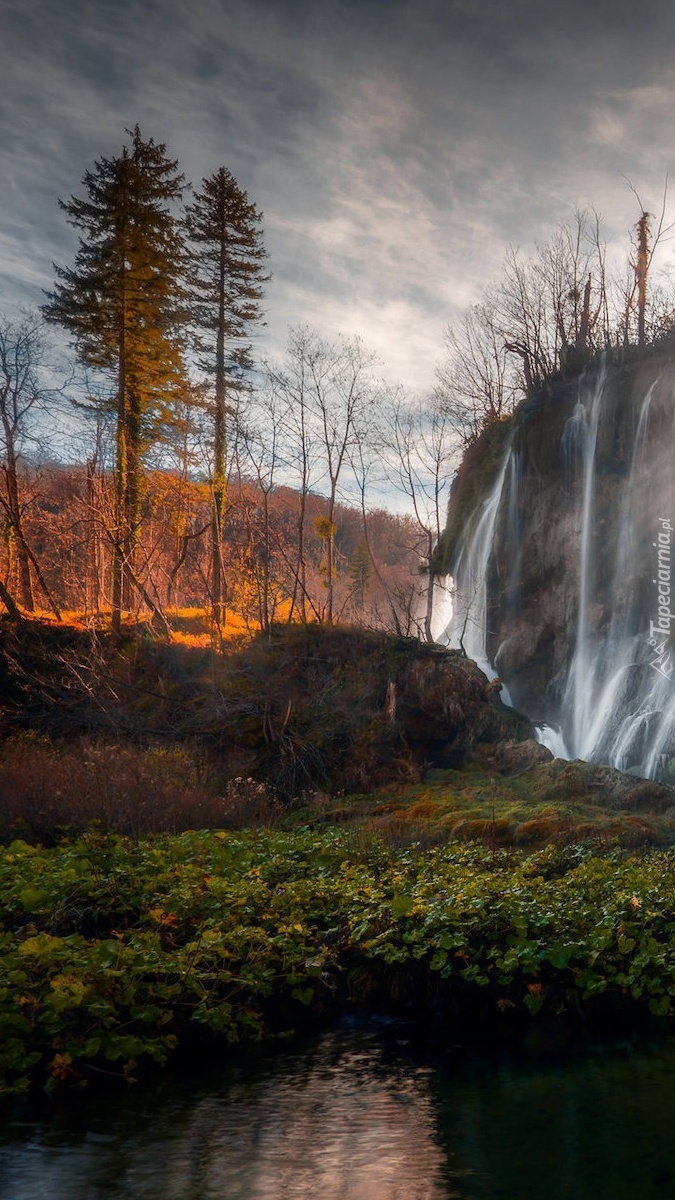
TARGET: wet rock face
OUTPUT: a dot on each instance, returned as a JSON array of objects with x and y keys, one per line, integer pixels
[
  {"x": 445, "y": 705},
  {"x": 580, "y": 543}
]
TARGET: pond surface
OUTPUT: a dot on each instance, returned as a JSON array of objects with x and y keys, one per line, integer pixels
[{"x": 359, "y": 1114}]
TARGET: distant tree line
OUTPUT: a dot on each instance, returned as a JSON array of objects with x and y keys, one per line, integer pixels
[{"x": 68, "y": 504}]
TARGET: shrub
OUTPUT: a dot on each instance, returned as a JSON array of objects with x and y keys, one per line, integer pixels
[{"x": 47, "y": 790}]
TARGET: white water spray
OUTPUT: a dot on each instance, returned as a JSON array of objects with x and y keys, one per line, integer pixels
[
  {"x": 577, "y": 698},
  {"x": 468, "y": 628}
]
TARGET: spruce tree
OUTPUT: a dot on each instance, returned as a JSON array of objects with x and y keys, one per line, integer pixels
[
  {"x": 123, "y": 302},
  {"x": 226, "y": 279}
]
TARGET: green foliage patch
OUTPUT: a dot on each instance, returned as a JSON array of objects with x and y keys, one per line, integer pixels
[{"x": 115, "y": 952}]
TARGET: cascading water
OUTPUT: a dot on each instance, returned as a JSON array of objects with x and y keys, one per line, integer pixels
[
  {"x": 599, "y": 708},
  {"x": 467, "y": 629},
  {"x": 617, "y": 707},
  {"x": 514, "y": 529},
  {"x": 570, "y": 555},
  {"x": 573, "y": 443},
  {"x": 577, "y": 705}
]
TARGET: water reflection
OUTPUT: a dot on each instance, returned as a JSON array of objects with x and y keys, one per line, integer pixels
[
  {"x": 358, "y": 1116},
  {"x": 338, "y": 1123},
  {"x": 594, "y": 1123}
]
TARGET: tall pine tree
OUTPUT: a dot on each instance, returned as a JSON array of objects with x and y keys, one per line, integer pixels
[
  {"x": 123, "y": 302},
  {"x": 226, "y": 280}
]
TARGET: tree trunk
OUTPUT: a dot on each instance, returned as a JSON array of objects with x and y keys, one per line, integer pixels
[
  {"x": 92, "y": 585},
  {"x": 219, "y": 461},
  {"x": 120, "y": 488},
  {"x": 132, "y": 499},
  {"x": 431, "y": 579},
  {"x": 641, "y": 268},
  {"x": 9, "y": 603},
  {"x": 14, "y": 515}
]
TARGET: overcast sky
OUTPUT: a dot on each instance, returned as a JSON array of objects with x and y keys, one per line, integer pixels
[{"x": 395, "y": 147}]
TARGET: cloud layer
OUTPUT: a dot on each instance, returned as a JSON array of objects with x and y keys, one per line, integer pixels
[{"x": 396, "y": 147}]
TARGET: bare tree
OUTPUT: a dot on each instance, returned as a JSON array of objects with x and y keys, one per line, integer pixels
[
  {"x": 475, "y": 385},
  {"x": 362, "y": 458},
  {"x": 550, "y": 306},
  {"x": 23, "y": 396},
  {"x": 258, "y": 462},
  {"x": 291, "y": 381},
  {"x": 548, "y": 313},
  {"x": 327, "y": 387},
  {"x": 645, "y": 242},
  {"x": 339, "y": 393},
  {"x": 98, "y": 512},
  {"x": 420, "y": 447}
]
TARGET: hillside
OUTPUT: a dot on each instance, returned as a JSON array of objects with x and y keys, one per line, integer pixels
[{"x": 311, "y": 724}]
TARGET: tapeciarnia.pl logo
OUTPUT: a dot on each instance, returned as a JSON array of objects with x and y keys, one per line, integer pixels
[{"x": 659, "y": 630}]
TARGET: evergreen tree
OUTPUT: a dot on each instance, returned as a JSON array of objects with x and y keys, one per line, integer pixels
[
  {"x": 123, "y": 302},
  {"x": 225, "y": 290}
]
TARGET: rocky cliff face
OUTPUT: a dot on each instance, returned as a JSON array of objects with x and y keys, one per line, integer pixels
[{"x": 559, "y": 544}]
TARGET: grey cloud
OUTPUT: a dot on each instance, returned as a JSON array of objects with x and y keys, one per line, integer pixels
[{"x": 396, "y": 147}]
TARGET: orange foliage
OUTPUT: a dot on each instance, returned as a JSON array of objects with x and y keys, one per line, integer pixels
[{"x": 68, "y": 524}]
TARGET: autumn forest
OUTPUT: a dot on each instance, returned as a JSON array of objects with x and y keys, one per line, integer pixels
[{"x": 189, "y": 476}]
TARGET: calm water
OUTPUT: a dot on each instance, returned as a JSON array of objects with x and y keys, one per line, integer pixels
[{"x": 359, "y": 1115}]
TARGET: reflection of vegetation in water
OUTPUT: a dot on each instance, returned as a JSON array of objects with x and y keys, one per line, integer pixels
[
  {"x": 562, "y": 1118},
  {"x": 342, "y": 1118}
]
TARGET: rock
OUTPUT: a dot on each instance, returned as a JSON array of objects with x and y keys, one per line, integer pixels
[
  {"x": 513, "y": 757},
  {"x": 446, "y": 704}
]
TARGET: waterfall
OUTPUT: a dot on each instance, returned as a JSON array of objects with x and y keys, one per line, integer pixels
[
  {"x": 575, "y": 566},
  {"x": 514, "y": 529},
  {"x": 614, "y": 708},
  {"x": 573, "y": 444},
  {"x": 467, "y": 629},
  {"x": 578, "y": 698},
  {"x": 442, "y": 609}
]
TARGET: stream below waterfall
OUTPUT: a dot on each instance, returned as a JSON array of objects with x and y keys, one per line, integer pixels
[{"x": 361, "y": 1113}]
